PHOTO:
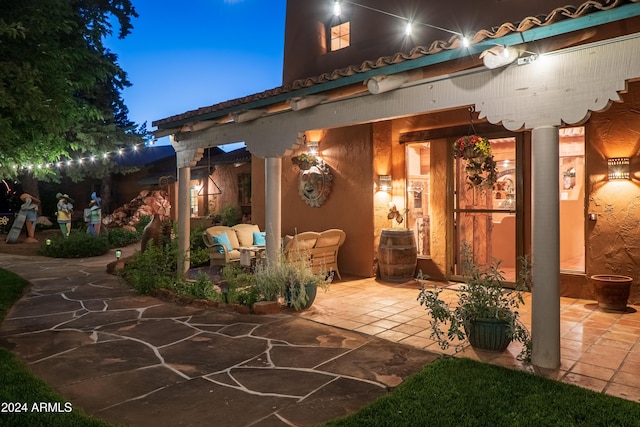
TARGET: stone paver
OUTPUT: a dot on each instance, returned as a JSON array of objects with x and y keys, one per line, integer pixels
[{"x": 140, "y": 361}]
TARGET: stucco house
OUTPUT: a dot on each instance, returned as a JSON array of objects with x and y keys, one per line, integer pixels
[{"x": 552, "y": 87}]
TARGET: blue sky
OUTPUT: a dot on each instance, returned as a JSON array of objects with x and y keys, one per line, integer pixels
[{"x": 183, "y": 56}]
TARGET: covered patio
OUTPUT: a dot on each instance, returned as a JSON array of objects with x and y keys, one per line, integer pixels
[
  {"x": 600, "y": 350},
  {"x": 534, "y": 98}
]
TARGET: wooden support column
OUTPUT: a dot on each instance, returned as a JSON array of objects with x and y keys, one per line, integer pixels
[
  {"x": 185, "y": 160},
  {"x": 273, "y": 208},
  {"x": 545, "y": 295}
]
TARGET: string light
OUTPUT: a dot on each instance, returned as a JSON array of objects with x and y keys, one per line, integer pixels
[
  {"x": 337, "y": 10},
  {"x": 410, "y": 24},
  {"x": 92, "y": 158},
  {"x": 408, "y": 29}
]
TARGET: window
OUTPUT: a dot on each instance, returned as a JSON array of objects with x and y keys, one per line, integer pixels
[
  {"x": 193, "y": 201},
  {"x": 340, "y": 36},
  {"x": 572, "y": 244},
  {"x": 418, "y": 158}
]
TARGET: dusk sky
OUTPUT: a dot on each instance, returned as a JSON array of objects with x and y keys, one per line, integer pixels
[{"x": 181, "y": 57}]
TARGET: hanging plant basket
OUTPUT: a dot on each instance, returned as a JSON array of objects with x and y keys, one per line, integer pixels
[
  {"x": 304, "y": 161},
  {"x": 481, "y": 168}
]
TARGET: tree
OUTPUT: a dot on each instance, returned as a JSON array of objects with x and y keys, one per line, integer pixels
[{"x": 60, "y": 88}]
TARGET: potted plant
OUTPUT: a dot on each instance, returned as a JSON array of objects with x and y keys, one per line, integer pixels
[
  {"x": 486, "y": 314},
  {"x": 295, "y": 281},
  {"x": 304, "y": 161},
  {"x": 481, "y": 168}
]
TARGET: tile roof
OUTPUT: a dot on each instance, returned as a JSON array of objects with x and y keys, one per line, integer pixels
[{"x": 557, "y": 14}]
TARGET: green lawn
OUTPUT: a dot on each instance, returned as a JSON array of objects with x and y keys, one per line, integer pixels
[
  {"x": 448, "y": 392},
  {"x": 463, "y": 392}
]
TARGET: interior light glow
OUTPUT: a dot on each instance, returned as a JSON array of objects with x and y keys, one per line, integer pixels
[{"x": 465, "y": 42}]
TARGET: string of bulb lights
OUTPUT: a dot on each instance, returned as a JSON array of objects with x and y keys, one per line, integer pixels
[
  {"x": 80, "y": 161},
  {"x": 337, "y": 11}
]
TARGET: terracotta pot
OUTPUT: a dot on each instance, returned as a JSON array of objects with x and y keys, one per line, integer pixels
[
  {"x": 612, "y": 291},
  {"x": 488, "y": 335}
]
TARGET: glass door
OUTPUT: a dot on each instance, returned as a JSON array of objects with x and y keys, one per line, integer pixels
[{"x": 485, "y": 219}]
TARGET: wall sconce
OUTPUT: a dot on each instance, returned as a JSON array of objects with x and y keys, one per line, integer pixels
[
  {"x": 313, "y": 147},
  {"x": 618, "y": 168},
  {"x": 384, "y": 183}
]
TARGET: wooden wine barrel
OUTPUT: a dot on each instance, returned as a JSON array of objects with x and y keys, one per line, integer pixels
[{"x": 397, "y": 255}]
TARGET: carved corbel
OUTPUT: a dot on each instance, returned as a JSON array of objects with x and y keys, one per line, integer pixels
[{"x": 189, "y": 157}]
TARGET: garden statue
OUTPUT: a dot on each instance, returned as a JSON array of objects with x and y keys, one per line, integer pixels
[
  {"x": 65, "y": 209},
  {"x": 155, "y": 232},
  {"x": 28, "y": 215},
  {"x": 93, "y": 215}
]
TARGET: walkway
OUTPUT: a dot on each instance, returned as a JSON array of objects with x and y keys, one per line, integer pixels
[
  {"x": 139, "y": 361},
  {"x": 599, "y": 351}
]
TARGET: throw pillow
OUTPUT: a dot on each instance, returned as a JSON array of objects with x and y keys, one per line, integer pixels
[
  {"x": 223, "y": 239},
  {"x": 259, "y": 238}
]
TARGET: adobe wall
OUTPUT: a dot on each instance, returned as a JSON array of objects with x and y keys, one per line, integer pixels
[
  {"x": 613, "y": 240},
  {"x": 375, "y": 34},
  {"x": 349, "y": 205}
]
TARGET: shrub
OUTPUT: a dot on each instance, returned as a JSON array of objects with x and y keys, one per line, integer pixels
[
  {"x": 77, "y": 245},
  {"x": 241, "y": 285},
  {"x": 119, "y": 237},
  {"x": 230, "y": 215},
  {"x": 201, "y": 288},
  {"x": 142, "y": 223},
  {"x": 199, "y": 252},
  {"x": 152, "y": 269}
]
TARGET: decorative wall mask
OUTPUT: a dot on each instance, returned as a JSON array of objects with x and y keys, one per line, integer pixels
[{"x": 314, "y": 184}]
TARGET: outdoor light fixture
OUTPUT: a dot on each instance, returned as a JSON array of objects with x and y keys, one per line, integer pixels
[
  {"x": 618, "y": 168},
  {"x": 313, "y": 147},
  {"x": 337, "y": 10},
  {"x": 384, "y": 183},
  {"x": 312, "y": 140},
  {"x": 48, "y": 242},
  {"x": 408, "y": 30},
  {"x": 499, "y": 56},
  {"x": 118, "y": 254}
]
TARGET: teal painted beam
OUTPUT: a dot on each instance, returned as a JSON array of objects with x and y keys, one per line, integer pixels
[{"x": 539, "y": 33}]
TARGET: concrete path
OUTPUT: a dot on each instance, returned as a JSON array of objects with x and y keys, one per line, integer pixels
[{"x": 140, "y": 361}]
